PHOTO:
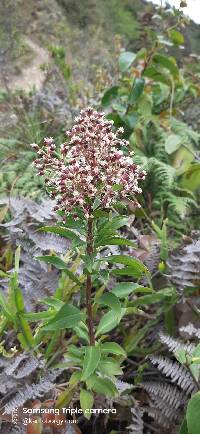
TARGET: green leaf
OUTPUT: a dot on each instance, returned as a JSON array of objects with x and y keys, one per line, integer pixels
[
  {"x": 109, "y": 299},
  {"x": 6, "y": 309},
  {"x": 125, "y": 60},
  {"x": 53, "y": 302},
  {"x": 103, "y": 386},
  {"x": 107, "y": 323},
  {"x": 53, "y": 260},
  {"x": 108, "y": 228},
  {"x": 86, "y": 401},
  {"x": 67, "y": 317},
  {"x": 123, "y": 289},
  {"x": 109, "y": 96},
  {"x": 153, "y": 298},
  {"x": 152, "y": 73},
  {"x": 91, "y": 361},
  {"x": 191, "y": 178},
  {"x": 133, "y": 263},
  {"x": 183, "y": 428},
  {"x": 39, "y": 316},
  {"x": 176, "y": 37},
  {"x": 172, "y": 143},
  {"x": 126, "y": 271},
  {"x": 193, "y": 414},
  {"x": 112, "y": 348},
  {"x": 136, "y": 91},
  {"x": 168, "y": 63},
  {"x": 63, "y": 232},
  {"x": 109, "y": 366}
]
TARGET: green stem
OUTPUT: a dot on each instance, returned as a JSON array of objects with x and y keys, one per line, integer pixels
[{"x": 88, "y": 289}]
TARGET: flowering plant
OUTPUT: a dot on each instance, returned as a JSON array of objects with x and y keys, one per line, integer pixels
[{"x": 88, "y": 178}]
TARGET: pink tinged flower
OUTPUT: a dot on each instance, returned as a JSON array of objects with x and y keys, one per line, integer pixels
[{"x": 90, "y": 164}]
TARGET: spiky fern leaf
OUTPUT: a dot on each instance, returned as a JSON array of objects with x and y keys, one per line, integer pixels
[
  {"x": 184, "y": 265},
  {"x": 175, "y": 344},
  {"x": 190, "y": 330},
  {"x": 176, "y": 372},
  {"x": 137, "y": 425}
]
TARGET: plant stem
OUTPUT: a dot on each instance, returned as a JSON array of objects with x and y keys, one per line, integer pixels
[{"x": 89, "y": 283}]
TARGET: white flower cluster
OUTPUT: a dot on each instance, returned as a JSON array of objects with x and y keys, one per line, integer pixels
[{"x": 91, "y": 165}]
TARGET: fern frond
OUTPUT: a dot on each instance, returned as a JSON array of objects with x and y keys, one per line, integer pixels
[
  {"x": 176, "y": 372},
  {"x": 137, "y": 426},
  {"x": 165, "y": 392},
  {"x": 175, "y": 344},
  {"x": 23, "y": 365},
  {"x": 190, "y": 330}
]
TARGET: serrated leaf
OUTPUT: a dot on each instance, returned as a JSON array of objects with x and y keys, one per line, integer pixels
[{"x": 91, "y": 360}]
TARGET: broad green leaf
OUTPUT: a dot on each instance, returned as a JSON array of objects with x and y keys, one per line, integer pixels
[
  {"x": 123, "y": 289},
  {"x": 193, "y": 414},
  {"x": 126, "y": 271},
  {"x": 61, "y": 265},
  {"x": 91, "y": 361},
  {"x": 108, "y": 322},
  {"x": 101, "y": 385},
  {"x": 180, "y": 354},
  {"x": 112, "y": 348},
  {"x": 109, "y": 299},
  {"x": 75, "y": 378},
  {"x": 53, "y": 302},
  {"x": 109, "y": 366},
  {"x": 167, "y": 62},
  {"x": 53, "y": 260},
  {"x": 6, "y": 309},
  {"x": 176, "y": 37},
  {"x": 86, "y": 401},
  {"x": 152, "y": 73},
  {"x": 63, "y": 232},
  {"x": 172, "y": 143},
  {"x": 183, "y": 428},
  {"x": 136, "y": 91},
  {"x": 109, "y": 96},
  {"x": 191, "y": 178},
  {"x": 39, "y": 316},
  {"x": 125, "y": 60},
  {"x": 153, "y": 298},
  {"x": 108, "y": 228},
  {"x": 67, "y": 317},
  {"x": 131, "y": 119},
  {"x": 126, "y": 260}
]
